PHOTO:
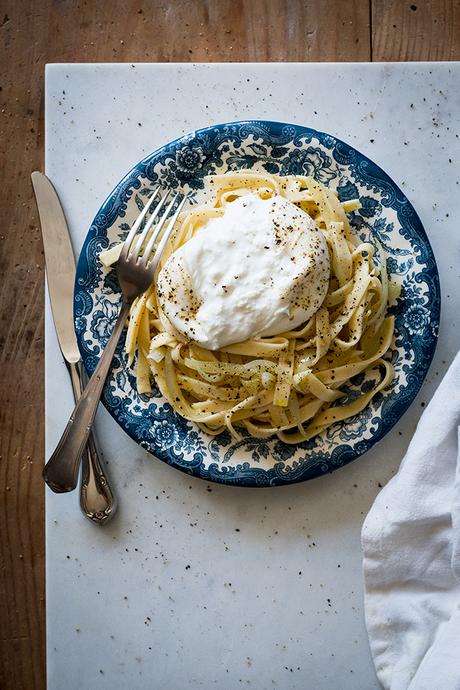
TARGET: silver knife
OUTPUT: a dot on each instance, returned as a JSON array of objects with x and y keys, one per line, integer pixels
[{"x": 97, "y": 500}]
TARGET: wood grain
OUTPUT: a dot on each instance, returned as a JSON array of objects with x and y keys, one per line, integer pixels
[
  {"x": 417, "y": 30},
  {"x": 33, "y": 33},
  {"x": 22, "y": 623}
]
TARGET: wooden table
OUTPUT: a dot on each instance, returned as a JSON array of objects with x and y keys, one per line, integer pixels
[{"x": 33, "y": 34}]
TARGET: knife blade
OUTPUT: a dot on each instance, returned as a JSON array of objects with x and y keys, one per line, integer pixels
[
  {"x": 60, "y": 263},
  {"x": 97, "y": 500}
]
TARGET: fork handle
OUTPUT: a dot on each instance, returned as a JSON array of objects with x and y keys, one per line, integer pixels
[{"x": 61, "y": 470}]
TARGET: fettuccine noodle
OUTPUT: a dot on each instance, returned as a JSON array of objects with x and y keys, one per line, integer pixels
[{"x": 289, "y": 385}]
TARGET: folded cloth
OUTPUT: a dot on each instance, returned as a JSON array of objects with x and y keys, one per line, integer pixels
[{"x": 411, "y": 546}]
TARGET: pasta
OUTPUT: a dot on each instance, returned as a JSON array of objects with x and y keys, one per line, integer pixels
[{"x": 290, "y": 385}]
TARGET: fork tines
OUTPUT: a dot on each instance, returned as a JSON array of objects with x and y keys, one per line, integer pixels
[{"x": 133, "y": 245}]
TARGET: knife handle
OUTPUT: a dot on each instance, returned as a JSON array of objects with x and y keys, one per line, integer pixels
[
  {"x": 61, "y": 470},
  {"x": 97, "y": 500}
]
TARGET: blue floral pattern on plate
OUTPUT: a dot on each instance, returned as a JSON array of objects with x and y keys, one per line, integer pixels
[{"x": 385, "y": 214}]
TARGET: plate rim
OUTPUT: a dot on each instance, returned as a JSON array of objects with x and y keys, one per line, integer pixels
[{"x": 240, "y": 479}]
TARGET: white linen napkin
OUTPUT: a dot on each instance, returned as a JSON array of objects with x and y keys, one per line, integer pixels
[{"x": 411, "y": 545}]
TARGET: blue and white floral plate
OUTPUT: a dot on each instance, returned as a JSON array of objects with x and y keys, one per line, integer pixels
[{"x": 385, "y": 214}]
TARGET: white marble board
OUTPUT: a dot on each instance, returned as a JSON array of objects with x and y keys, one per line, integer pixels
[{"x": 196, "y": 585}]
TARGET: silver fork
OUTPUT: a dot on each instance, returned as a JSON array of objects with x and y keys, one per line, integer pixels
[{"x": 135, "y": 274}]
